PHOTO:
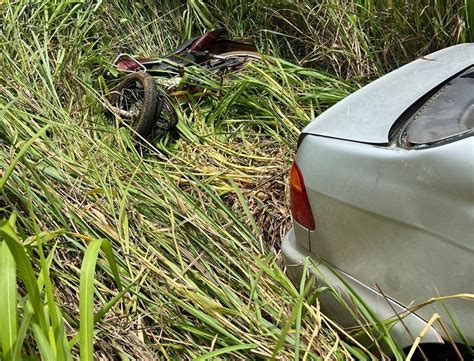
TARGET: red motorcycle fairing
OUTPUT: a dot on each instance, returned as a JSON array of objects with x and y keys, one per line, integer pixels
[
  {"x": 212, "y": 41},
  {"x": 207, "y": 40}
]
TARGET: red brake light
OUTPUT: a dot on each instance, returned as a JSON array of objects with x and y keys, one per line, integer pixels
[{"x": 300, "y": 207}]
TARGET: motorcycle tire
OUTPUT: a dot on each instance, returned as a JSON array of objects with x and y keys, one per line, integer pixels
[{"x": 137, "y": 94}]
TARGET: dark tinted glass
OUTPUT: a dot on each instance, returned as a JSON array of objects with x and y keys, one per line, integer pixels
[{"x": 449, "y": 112}]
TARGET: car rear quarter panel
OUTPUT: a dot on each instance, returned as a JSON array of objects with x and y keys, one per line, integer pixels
[{"x": 403, "y": 219}]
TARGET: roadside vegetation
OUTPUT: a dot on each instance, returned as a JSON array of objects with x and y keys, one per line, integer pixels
[{"x": 171, "y": 251}]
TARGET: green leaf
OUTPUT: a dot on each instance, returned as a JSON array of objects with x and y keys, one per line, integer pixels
[
  {"x": 86, "y": 301},
  {"x": 43, "y": 344},
  {"x": 25, "y": 271},
  {"x": 109, "y": 254},
  {"x": 101, "y": 313},
  {"x": 225, "y": 350},
  {"x": 8, "y": 321},
  {"x": 25, "y": 323}
]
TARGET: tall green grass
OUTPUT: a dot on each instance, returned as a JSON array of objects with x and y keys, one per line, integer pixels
[
  {"x": 109, "y": 251},
  {"x": 363, "y": 38}
]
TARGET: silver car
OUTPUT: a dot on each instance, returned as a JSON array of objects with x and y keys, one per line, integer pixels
[{"x": 382, "y": 197}]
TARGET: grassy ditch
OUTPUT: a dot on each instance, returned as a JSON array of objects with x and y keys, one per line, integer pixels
[{"x": 173, "y": 254}]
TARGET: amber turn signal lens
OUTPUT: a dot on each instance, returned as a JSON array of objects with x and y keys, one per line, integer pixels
[{"x": 300, "y": 207}]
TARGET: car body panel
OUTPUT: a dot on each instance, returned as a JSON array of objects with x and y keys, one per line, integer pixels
[
  {"x": 401, "y": 184},
  {"x": 301, "y": 235},
  {"x": 401, "y": 218},
  {"x": 384, "y": 307},
  {"x": 368, "y": 114}
]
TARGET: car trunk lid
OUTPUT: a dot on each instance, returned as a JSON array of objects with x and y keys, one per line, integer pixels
[{"x": 368, "y": 114}]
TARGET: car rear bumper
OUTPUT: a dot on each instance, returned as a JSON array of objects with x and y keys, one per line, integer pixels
[{"x": 294, "y": 256}]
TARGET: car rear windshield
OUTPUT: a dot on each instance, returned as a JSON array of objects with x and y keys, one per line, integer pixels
[{"x": 448, "y": 113}]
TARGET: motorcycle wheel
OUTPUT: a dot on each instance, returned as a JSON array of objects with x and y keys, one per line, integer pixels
[
  {"x": 135, "y": 101},
  {"x": 165, "y": 115}
]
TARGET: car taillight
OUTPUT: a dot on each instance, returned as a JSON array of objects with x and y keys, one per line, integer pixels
[{"x": 299, "y": 202}]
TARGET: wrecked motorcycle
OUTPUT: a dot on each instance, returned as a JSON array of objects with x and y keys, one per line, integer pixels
[{"x": 142, "y": 99}]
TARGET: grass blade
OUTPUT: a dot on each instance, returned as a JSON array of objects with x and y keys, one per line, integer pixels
[
  {"x": 8, "y": 321},
  {"x": 86, "y": 300},
  {"x": 25, "y": 271},
  {"x": 25, "y": 324},
  {"x": 109, "y": 254},
  {"x": 43, "y": 345},
  {"x": 224, "y": 350}
]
